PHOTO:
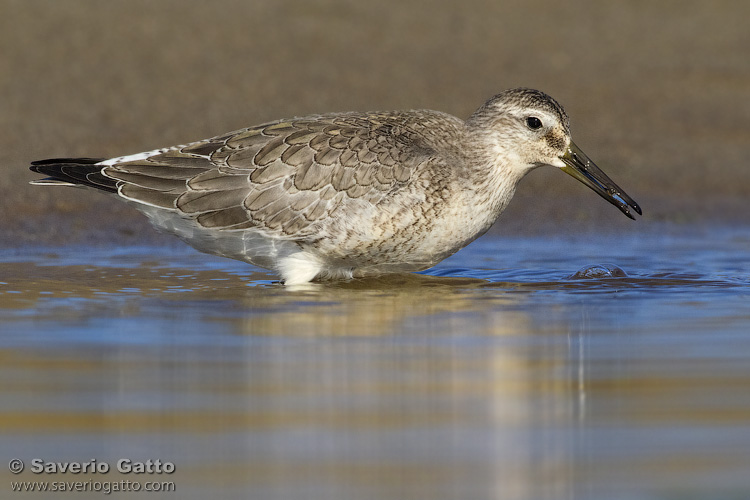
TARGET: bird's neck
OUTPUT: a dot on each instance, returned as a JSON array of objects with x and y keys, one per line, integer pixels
[{"x": 494, "y": 175}]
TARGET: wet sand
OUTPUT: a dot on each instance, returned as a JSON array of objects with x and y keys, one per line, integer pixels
[{"x": 658, "y": 93}]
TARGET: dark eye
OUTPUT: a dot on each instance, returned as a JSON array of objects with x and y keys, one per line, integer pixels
[{"x": 534, "y": 123}]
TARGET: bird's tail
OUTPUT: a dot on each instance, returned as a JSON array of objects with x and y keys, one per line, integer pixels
[{"x": 73, "y": 172}]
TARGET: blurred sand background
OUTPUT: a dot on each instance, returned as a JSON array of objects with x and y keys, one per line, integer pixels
[{"x": 658, "y": 93}]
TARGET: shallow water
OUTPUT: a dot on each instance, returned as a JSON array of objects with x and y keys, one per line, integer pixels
[{"x": 591, "y": 367}]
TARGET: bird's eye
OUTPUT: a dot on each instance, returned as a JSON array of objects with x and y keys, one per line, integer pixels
[{"x": 533, "y": 123}]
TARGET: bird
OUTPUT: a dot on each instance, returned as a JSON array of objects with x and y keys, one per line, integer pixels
[{"x": 345, "y": 195}]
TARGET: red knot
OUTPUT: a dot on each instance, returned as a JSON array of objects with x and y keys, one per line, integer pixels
[{"x": 345, "y": 195}]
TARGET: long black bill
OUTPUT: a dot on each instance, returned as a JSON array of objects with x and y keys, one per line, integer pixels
[{"x": 582, "y": 168}]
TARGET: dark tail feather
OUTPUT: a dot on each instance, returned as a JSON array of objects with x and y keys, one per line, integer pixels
[{"x": 82, "y": 171}]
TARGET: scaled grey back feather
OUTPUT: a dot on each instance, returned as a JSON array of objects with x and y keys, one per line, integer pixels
[{"x": 283, "y": 177}]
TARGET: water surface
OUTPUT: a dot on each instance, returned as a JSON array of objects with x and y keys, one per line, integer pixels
[{"x": 593, "y": 367}]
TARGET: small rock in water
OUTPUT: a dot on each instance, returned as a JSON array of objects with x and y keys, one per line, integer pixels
[{"x": 598, "y": 271}]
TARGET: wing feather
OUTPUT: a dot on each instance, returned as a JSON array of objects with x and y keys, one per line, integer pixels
[
  {"x": 195, "y": 202},
  {"x": 234, "y": 218},
  {"x": 148, "y": 196},
  {"x": 149, "y": 181},
  {"x": 213, "y": 180},
  {"x": 284, "y": 177},
  {"x": 150, "y": 169}
]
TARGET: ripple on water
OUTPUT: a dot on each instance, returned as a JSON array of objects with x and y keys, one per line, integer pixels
[{"x": 598, "y": 271}]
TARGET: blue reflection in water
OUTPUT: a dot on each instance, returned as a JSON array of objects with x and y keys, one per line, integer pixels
[{"x": 523, "y": 365}]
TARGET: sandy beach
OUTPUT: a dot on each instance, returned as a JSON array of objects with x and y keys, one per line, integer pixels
[{"x": 658, "y": 93}]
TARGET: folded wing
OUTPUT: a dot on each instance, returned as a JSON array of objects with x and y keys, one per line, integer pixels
[{"x": 281, "y": 177}]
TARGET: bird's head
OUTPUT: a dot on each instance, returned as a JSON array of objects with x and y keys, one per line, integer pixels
[{"x": 530, "y": 129}]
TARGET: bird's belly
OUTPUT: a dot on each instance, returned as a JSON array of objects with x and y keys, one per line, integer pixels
[
  {"x": 369, "y": 246},
  {"x": 398, "y": 245}
]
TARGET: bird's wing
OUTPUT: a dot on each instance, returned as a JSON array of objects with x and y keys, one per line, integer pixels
[{"x": 281, "y": 177}]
